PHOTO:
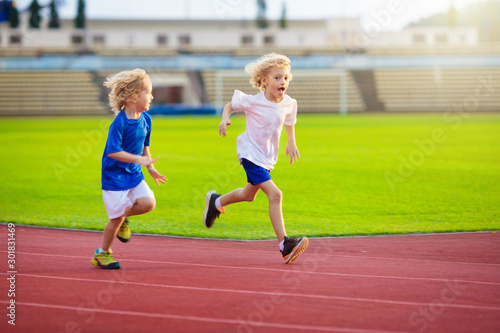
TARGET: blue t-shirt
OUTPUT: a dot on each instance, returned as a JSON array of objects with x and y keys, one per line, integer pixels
[{"x": 130, "y": 135}]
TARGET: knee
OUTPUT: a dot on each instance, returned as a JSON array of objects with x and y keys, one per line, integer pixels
[
  {"x": 275, "y": 196},
  {"x": 148, "y": 204}
]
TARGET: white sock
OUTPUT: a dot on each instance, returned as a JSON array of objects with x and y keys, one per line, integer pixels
[
  {"x": 219, "y": 206},
  {"x": 282, "y": 246},
  {"x": 99, "y": 251}
]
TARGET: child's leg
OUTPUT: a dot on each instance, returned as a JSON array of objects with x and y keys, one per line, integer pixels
[
  {"x": 110, "y": 232},
  {"x": 215, "y": 203},
  {"x": 248, "y": 193},
  {"x": 275, "y": 197},
  {"x": 141, "y": 206}
]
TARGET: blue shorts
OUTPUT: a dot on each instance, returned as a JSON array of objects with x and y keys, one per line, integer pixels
[{"x": 255, "y": 174}]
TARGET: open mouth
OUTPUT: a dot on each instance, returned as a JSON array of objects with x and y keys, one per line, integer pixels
[{"x": 281, "y": 90}]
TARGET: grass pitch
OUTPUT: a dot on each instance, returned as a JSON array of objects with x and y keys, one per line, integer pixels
[{"x": 358, "y": 175}]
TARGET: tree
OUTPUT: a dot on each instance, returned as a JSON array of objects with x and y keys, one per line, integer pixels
[
  {"x": 80, "y": 15},
  {"x": 54, "y": 16},
  {"x": 14, "y": 16},
  {"x": 452, "y": 17},
  {"x": 283, "y": 21},
  {"x": 261, "y": 14},
  {"x": 35, "y": 17}
]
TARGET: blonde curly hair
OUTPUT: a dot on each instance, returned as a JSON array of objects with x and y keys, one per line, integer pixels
[
  {"x": 263, "y": 65},
  {"x": 126, "y": 86}
]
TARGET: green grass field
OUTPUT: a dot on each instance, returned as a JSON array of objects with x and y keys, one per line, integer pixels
[{"x": 358, "y": 175}]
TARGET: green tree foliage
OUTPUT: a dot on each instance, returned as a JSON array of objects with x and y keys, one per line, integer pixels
[
  {"x": 452, "y": 17},
  {"x": 54, "y": 16},
  {"x": 283, "y": 20},
  {"x": 35, "y": 17},
  {"x": 482, "y": 15},
  {"x": 14, "y": 16},
  {"x": 80, "y": 15},
  {"x": 261, "y": 14}
]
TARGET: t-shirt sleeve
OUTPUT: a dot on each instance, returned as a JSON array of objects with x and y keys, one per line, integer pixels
[
  {"x": 239, "y": 102},
  {"x": 149, "y": 123},
  {"x": 291, "y": 117},
  {"x": 115, "y": 137}
]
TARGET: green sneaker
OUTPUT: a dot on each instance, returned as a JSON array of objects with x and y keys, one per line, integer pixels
[
  {"x": 105, "y": 260},
  {"x": 124, "y": 233}
]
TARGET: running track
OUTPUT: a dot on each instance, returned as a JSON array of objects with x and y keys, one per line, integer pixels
[{"x": 426, "y": 283}]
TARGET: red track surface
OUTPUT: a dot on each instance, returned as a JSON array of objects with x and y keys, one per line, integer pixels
[{"x": 432, "y": 283}]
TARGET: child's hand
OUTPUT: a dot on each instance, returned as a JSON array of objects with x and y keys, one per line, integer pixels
[
  {"x": 292, "y": 151},
  {"x": 223, "y": 126},
  {"x": 157, "y": 176},
  {"x": 145, "y": 161}
]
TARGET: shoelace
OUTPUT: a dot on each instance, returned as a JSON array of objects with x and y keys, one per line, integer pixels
[{"x": 107, "y": 256}]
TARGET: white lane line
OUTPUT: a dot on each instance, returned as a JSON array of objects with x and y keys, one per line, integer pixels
[
  {"x": 201, "y": 319},
  {"x": 288, "y": 271},
  {"x": 369, "y": 257},
  {"x": 274, "y": 294},
  {"x": 312, "y": 239}
]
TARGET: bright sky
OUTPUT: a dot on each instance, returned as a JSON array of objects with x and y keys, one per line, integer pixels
[{"x": 407, "y": 10}]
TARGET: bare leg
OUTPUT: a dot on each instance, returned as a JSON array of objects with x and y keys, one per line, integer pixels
[
  {"x": 275, "y": 197},
  {"x": 141, "y": 206},
  {"x": 248, "y": 193},
  {"x": 110, "y": 232}
]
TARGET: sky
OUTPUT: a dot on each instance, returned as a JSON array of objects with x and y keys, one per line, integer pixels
[{"x": 393, "y": 14}]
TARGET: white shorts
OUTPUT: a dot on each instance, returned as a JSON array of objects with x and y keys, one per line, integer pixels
[{"x": 117, "y": 201}]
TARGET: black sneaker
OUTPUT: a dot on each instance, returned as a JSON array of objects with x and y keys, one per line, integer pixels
[
  {"x": 211, "y": 212},
  {"x": 293, "y": 247}
]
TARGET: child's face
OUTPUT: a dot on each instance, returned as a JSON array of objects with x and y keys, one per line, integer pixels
[
  {"x": 143, "y": 100},
  {"x": 276, "y": 83}
]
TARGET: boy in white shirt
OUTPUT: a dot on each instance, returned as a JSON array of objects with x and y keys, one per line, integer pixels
[{"x": 257, "y": 148}]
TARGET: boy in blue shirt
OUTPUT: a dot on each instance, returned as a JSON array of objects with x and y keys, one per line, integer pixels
[{"x": 125, "y": 192}]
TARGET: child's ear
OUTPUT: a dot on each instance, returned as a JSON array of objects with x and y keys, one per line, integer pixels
[{"x": 263, "y": 80}]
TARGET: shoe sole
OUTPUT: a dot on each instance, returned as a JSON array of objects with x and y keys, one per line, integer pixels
[
  {"x": 207, "y": 204},
  {"x": 301, "y": 247},
  {"x": 123, "y": 240}
]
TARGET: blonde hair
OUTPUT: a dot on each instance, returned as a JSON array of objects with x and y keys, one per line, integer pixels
[
  {"x": 263, "y": 65},
  {"x": 126, "y": 86}
]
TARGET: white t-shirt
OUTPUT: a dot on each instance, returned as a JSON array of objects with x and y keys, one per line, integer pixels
[{"x": 265, "y": 119}]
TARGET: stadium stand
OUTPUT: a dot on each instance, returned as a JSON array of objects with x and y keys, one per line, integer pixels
[
  {"x": 290, "y": 52},
  {"x": 314, "y": 92},
  {"x": 257, "y": 52},
  {"x": 49, "y": 93},
  {"x": 134, "y": 52},
  {"x": 438, "y": 89},
  {"x": 481, "y": 49},
  {"x": 391, "y": 82},
  {"x": 18, "y": 52}
]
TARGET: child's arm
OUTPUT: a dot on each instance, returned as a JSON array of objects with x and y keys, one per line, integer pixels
[
  {"x": 291, "y": 148},
  {"x": 151, "y": 168},
  {"x": 228, "y": 110},
  {"x": 126, "y": 157}
]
